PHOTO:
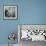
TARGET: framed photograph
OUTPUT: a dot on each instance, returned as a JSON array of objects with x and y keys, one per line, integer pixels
[
  {"x": 32, "y": 32},
  {"x": 10, "y": 12}
]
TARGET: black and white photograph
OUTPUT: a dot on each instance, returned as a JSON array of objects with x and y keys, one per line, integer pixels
[
  {"x": 10, "y": 12},
  {"x": 33, "y": 32}
]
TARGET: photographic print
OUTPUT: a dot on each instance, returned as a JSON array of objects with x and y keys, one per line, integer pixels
[
  {"x": 33, "y": 32},
  {"x": 10, "y": 12}
]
